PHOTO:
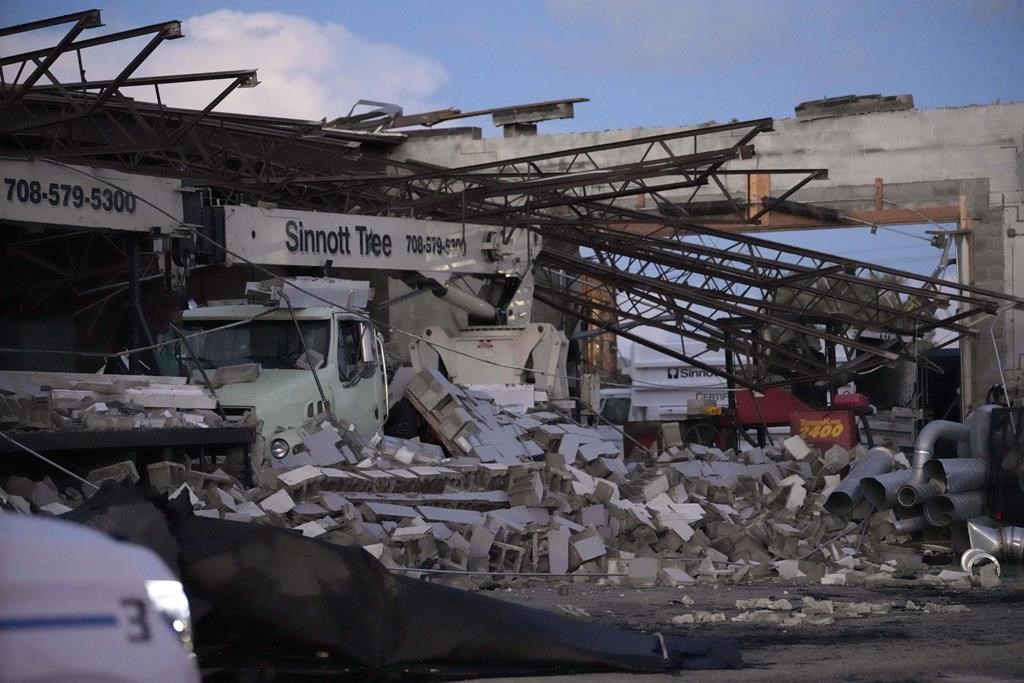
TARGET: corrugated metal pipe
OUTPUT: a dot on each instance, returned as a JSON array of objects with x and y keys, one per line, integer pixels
[
  {"x": 881, "y": 490},
  {"x": 850, "y": 492},
  {"x": 954, "y": 507},
  {"x": 919, "y": 489},
  {"x": 930, "y": 435},
  {"x": 956, "y": 475},
  {"x": 909, "y": 520},
  {"x": 1006, "y": 542},
  {"x": 910, "y": 493}
]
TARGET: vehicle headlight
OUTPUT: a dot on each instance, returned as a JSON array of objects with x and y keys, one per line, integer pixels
[
  {"x": 279, "y": 448},
  {"x": 168, "y": 599}
]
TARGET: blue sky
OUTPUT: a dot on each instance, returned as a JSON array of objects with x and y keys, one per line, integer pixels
[{"x": 656, "y": 62}]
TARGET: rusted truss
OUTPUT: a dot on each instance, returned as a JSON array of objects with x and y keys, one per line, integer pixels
[{"x": 634, "y": 216}]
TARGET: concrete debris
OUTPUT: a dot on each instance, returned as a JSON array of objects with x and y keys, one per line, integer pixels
[
  {"x": 279, "y": 502},
  {"x": 117, "y": 472},
  {"x": 796, "y": 447},
  {"x": 988, "y": 576},
  {"x": 947, "y": 609},
  {"x": 227, "y": 374},
  {"x": 537, "y": 492},
  {"x": 809, "y": 611},
  {"x": 71, "y": 402},
  {"x": 837, "y": 579},
  {"x": 574, "y": 611}
]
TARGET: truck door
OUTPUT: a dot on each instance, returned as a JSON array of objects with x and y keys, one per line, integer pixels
[{"x": 358, "y": 394}]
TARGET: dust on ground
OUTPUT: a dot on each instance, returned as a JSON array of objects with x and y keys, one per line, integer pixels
[{"x": 945, "y": 642}]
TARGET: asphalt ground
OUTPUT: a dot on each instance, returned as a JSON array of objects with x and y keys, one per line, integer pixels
[{"x": 981, "y": 643}]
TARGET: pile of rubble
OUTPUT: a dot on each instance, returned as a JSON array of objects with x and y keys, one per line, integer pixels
[
  {"x": 540, "y": 493},
  {"x": 76, "y": 402}
]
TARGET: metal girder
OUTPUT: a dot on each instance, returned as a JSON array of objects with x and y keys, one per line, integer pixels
[
  {"x": 81, "y": 20},
  {"x": 702, "y": 263},
  {"x": 669, "y": 268},
  {"x": 169, "y": 79}
]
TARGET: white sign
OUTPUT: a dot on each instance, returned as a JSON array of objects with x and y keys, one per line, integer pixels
[
  {"x": 46, "y": 193},
  {"x": 310, "y": 238}
]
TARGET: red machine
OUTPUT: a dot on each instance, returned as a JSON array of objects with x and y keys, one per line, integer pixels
[{"x": 822, "y": 428}]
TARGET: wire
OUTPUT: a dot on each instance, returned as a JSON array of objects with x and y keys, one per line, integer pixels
[
  {"x": 900, "y": 232},
  {"x": 115, "y": 354},
  {"x": 912, "y": 209},
  {"x": 48, "y": 461},
  {"x": 305, "y": 351}
]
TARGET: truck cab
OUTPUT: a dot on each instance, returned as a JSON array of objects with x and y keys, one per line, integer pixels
[{"x": 338, "y": 343}]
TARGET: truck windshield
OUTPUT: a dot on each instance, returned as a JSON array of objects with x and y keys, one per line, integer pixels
[{"x": 274, "y": 344}]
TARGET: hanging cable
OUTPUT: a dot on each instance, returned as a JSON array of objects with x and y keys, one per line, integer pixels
[
  {"x": 42, "y": 457},
  {"x": 305, "y": 351}
]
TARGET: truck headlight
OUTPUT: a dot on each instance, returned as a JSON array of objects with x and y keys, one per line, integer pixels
[
  {"x": 279, "y": 448},
  {"x": 168, "y": 599}
]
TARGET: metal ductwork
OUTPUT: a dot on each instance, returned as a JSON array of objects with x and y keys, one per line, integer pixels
[
  {"x": 974, "y": 559},
  {"x": 954, "y": 507},
  {"x": 957, "y": 475},
  {"x": 909, "y": 520},
  {"x": 1006, "y": 542},
  {"x": 980, "y": 422},
  {"x": 912, "y": 493},
  {"x": 929, "y": 436},
  {"x": 909, "y": 525},
  {"x": 928, "y": 480},
  {"x": 881, "y": 490},
  {"x": 878, "y": 461}
]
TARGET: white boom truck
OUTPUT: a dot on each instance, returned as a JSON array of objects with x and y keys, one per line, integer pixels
[
  {"x": 345, "y": 349},
  {"x": 311, "y": 348},
  {"x": 341, "y": 345}
]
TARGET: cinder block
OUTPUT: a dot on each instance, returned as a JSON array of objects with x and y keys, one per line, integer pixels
[
  {"x": 796, "y": 447},
  {"x": 643, "y": 571},
  {"x": 558, "y": 550},
  {"x": 280, "y": 502},
  {"x": 118, "y": 471},
  {"x": 166, "y": 476}
]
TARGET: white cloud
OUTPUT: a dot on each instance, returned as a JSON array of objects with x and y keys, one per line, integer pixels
[{"x": 306, "y": 69}]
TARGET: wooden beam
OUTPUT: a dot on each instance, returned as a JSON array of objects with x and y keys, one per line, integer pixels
[{"x": 759, "y": 186}]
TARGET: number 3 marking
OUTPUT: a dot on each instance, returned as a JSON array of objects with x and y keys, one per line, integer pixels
[{"x": 137, "y": 620}]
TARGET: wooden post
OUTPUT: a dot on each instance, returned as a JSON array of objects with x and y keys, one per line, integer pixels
[{"x": 759, "y": 185}]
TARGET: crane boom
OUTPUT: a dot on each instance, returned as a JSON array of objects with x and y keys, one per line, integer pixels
[{"x": 284, "y": 237}]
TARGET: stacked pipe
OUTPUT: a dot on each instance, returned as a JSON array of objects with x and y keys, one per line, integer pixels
[{"x": 931, "y": 492}]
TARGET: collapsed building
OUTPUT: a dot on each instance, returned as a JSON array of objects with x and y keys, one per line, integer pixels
[{"x": 461, "y": 432}]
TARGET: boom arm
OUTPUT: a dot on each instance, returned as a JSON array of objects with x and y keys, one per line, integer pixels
[
  {"x": 424, "y": 254},
  {"x": 283, "y": 237}
]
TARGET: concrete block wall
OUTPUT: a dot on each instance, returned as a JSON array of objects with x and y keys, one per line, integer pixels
[{"x": 925, "y": 156}]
